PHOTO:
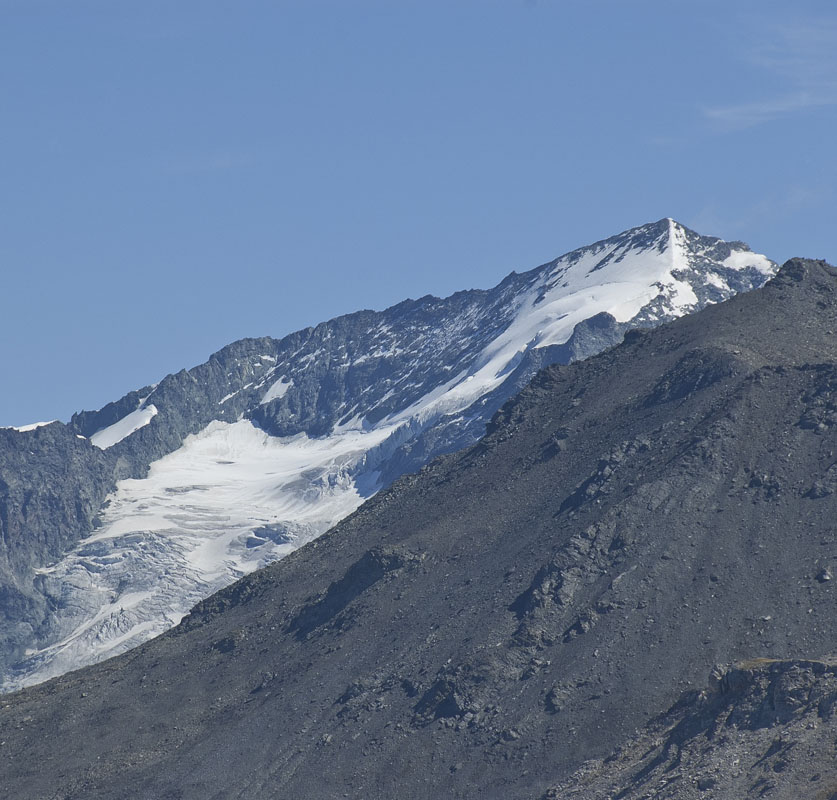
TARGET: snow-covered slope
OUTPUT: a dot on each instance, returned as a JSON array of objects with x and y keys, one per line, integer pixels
[
  {"x": 272, "y": 442},
  {"x": 112, "y": 434}
]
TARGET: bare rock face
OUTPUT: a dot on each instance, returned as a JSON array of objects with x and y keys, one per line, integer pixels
[{"x": 52, "y": 485}]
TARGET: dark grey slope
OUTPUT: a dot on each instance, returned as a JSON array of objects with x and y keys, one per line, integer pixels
[
  {"x": 763, "y": 728},
  {"x": 484, "y": 627}
]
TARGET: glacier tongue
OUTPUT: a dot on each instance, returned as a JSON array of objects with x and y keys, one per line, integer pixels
[
  {"x": 229, "y": 501},
  {"x": 233, "y": 498}
]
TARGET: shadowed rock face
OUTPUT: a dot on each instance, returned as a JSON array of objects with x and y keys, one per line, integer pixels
[
  {"x": 483, "y": 628},
  {"x": 51, "y": 483}
]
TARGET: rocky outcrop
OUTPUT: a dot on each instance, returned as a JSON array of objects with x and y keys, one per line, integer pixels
[
  {"x": 52, "y": 485},
  {"x": 760, "y": 728}
]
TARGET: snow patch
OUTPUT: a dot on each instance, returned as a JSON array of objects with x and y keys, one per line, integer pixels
[
  {"x": 743, "y": 259},
  {"x": 31, "y": 427},
  {"x": 276, "y": 391},
  {"x": 717, "y": 281},
  {"x": 107, "y": 437}
]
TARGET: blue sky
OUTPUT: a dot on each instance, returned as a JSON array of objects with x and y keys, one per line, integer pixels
[{"x": 177, "y": 175}]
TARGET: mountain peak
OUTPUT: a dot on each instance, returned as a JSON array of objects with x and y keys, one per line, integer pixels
[
  {"x": 529, "y": 602},
  {"x": 226, "y": 467}
]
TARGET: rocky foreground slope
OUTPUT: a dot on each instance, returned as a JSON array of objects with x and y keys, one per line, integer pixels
[
  {"x": 177, "y": 489},
  {"x": 488, "y": 626},
  {"x": 761, "y": 728}
]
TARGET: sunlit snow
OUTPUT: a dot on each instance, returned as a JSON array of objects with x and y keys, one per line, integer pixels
[
  {"x": 107, "y": 437},
  {"x": 742, "y": 259},
  {"x": 31, "y": 427},
  {"x": 277, "y": 390}
]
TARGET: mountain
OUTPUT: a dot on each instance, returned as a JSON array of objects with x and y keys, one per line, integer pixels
[
  {"x": 515, "y": 610},
  {"x": 177, "y": 489}
]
